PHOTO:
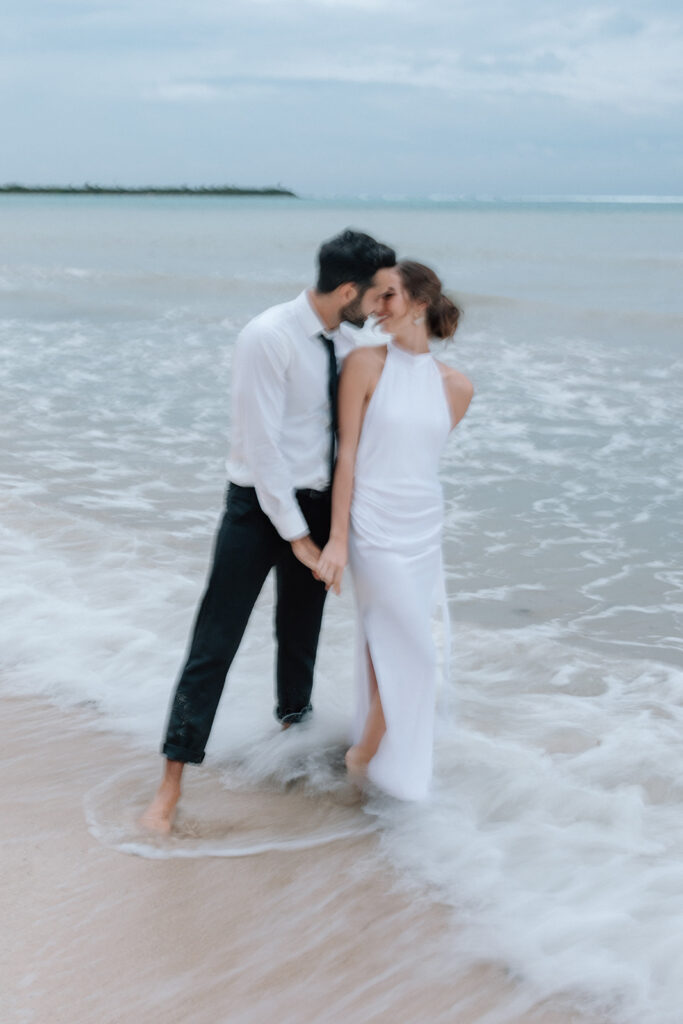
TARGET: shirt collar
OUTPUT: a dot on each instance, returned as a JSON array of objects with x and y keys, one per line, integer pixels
[
  {"x": 309, "y": 320},
  {"x": 345, "y": 336}
]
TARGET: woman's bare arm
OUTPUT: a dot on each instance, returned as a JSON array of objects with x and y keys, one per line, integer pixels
[{"x": 356, "y": 384}]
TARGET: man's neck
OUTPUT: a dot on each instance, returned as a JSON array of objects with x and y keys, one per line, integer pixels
[{"x": 326, "y": 308}]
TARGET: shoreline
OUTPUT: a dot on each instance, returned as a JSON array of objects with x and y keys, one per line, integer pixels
[
  {"x": 322, "y": 934},
  {"x": 150, "y": 190}
]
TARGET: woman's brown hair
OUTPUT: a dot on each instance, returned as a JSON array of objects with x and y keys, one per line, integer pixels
[{"x": 422, "y": 285}]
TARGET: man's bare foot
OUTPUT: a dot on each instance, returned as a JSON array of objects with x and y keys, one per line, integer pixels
[
  {"x": 160, "y": 814},
  {"x": 356, "y": 761}
]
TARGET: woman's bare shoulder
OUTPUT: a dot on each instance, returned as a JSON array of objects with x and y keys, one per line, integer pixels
[
  {"x": 366, "y": 355},
  {"x": 459, "y": 390},
  {"x": 454, "y": 379},
  {"x": 365, "y": 362},
  {"x": 361, "y": 371}
]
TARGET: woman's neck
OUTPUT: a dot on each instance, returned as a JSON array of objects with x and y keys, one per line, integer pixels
[{"x": 413, "y": 339}]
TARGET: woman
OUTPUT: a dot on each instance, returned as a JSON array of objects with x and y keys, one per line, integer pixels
[{"x": 397, "y": 406}]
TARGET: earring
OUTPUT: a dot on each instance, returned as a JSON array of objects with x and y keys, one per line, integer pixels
[{"x": 418, "y": 320}]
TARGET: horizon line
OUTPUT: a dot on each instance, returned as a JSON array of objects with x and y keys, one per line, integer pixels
[{"x": 279, "y": 190}]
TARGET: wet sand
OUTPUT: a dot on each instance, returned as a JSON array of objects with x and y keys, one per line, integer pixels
[{"x": 301, "y": 936}]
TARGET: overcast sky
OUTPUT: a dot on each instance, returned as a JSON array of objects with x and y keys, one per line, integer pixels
[{"x": 377, "y": 97}]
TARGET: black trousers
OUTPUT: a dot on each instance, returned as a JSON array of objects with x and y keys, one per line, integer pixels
[{"x": 246, "y": 549}]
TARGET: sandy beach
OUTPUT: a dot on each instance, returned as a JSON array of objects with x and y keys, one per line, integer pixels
[{"x": 93, "y": 934}]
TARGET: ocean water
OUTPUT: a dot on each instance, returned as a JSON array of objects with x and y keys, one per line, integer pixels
[{"x": 555, "y": 830}]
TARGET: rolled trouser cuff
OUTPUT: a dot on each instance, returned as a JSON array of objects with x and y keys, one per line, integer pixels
[{"x": 176, "y": 753}]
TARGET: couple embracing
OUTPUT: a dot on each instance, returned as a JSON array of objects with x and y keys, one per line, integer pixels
[{"x": 327, "y": 468}]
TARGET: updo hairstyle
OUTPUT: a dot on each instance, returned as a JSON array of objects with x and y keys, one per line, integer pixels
[{"x": 422, "y": 285}]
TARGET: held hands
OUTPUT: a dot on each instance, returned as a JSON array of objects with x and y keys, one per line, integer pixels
[
  {"x": 327, "y": 565},
  {"x": 330, "y": 568},
  {"x": 308, "y": 553}
]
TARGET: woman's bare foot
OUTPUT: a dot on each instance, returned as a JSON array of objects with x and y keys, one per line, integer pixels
[
  {"x": 356, "y": 761},
  {"x": 160, "y": 814}
]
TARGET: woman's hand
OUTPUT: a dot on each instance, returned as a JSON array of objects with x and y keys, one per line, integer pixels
[
  {"x": 307, "y": 552},
  {"x": 331, "y": 564}
]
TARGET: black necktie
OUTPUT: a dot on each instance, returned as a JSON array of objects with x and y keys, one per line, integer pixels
[{"x": 332, "y": 379}]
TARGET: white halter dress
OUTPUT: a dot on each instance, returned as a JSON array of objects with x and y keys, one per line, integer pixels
[{"x": 396, "y": 564}]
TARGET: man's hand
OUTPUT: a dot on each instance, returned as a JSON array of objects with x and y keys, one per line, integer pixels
[
  {"x": 330, "y": 568},
  {"x": 308, "y": 553}
]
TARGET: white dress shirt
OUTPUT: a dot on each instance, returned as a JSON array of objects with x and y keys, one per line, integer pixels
[{"x": 281, "y": 416}]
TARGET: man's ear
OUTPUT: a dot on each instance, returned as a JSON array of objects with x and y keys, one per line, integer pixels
[{"x": 348, "y": 293}]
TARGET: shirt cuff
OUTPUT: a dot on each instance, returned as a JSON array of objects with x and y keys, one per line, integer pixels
[
  {"x": 300, "y": 537},
  {"x": 292, "y": 525}
]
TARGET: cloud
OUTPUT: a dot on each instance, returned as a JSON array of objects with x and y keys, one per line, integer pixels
[
  {"x": 439, "y": 90},
  {"x": 586, "y": 56},
  {"x": 620, "y": 56},
  {"x": 637, "y": 71}
]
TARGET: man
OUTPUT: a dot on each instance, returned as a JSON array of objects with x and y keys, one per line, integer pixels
[{"x": 278, "y": 502}]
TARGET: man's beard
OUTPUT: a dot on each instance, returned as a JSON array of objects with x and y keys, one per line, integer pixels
[{"x": 353, "y": 314}]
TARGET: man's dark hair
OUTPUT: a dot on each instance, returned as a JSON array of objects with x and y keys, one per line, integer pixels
[{"x": 351, "y": 257}]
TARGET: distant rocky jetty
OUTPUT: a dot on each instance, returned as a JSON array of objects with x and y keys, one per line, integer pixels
[{"x": 147, "y": 190}]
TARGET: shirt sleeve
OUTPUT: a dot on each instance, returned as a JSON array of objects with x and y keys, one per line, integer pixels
[{"x": 265, "y": 364}]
